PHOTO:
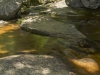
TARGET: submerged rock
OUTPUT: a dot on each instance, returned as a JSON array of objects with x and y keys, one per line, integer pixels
[
  {"x": 10, "y": 9},
  {"x": 88, "y": 64},
  {"x": 33, "y": 65}
]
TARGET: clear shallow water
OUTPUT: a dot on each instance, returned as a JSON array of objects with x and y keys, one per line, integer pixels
[{"x": 13, "y": 40}]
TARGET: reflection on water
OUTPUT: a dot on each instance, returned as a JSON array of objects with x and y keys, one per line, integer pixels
[
  {"x": 16, "y": 41},
  {"x": 91, "y": 31}
]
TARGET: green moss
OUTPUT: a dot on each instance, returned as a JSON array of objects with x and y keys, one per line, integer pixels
[{"x": 19, "y": 21}]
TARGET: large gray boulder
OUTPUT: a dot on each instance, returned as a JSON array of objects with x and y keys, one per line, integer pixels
[
  {"x": 46, "y": 25},
  {"x": 91, "y": 4},
  {"x": 33, "y": 65},
  {"x": 74, "y": 3},
  {"x": 10, "y": 9}
]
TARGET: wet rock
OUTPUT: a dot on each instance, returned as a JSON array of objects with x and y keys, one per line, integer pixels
[
  {"x": 46, "y": 25},
  {"x": 10, "y": 9},
  {"x": 33, "y": 65},
  {"x": 91, "y": 4}
]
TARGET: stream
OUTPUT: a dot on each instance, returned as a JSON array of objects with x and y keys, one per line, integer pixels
[{"x": 14, "y": 41}]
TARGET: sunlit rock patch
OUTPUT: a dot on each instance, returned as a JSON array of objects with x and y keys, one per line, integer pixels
[{"x": 33, "y": 65}]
